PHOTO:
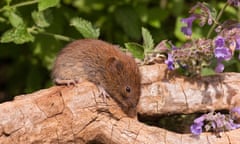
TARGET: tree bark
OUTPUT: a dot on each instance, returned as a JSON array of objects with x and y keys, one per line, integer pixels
[{"x": 77, "y": 114}]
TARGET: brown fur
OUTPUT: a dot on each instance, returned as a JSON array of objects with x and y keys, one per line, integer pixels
[{"x": 103, "y": 64}]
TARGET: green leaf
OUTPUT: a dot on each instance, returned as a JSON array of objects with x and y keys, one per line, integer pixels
[
  {"x": 147, "y": 40},
  {"x": 42, "y": 18},
  {"x": 207, "y": 72},
  {"x": 136, "y": 49},
  {"x": 45, "y": 4},
  {"x": 15, "y": 20},
  {"x": 18, "y": 35},
  {"x": 85, "y": 28}
]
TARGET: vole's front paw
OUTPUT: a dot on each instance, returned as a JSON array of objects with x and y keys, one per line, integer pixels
[{"x": 103, "y": 93}]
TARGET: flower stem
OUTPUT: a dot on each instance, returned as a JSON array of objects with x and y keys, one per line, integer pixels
[
  {"x": 20, "y": 4},
  {"x": 217, "y": 19}
]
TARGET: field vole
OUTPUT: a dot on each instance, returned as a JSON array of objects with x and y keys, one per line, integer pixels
[{"x": 103, "y": 64}]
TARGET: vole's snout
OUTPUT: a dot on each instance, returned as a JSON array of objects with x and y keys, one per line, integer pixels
[
  {"x": 131, "y": 109},
  {"x": 132, "y": 112}
]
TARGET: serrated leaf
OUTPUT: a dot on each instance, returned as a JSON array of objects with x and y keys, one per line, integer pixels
[
  {"x": 136, "y": 49},
  {"x": 41, "y": 19},
  {"x": 45, "y": 4},
  {"x": 15, "y": 20},
  {"x": 85, "y": 28},
  {"x": 18, "y": 35},
  {"x": 147, "y": 40}
]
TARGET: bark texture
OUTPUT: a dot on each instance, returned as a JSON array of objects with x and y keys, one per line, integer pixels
[{"x": 78, "y": 115}]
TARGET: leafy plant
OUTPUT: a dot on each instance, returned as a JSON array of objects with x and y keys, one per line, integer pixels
[
  {"x": 39, "y": 36},
  {"x": 205, "y": 55},
  {"x": 85, "y": 28},
  {"x": 140, "y": 51}
]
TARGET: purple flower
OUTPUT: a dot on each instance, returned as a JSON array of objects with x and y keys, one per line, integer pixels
[
  {"x": 187, "y": 30},
  {"x": 222, "y": 53},
  {"x": 236, "y": 3},
  {"x": 216, "y": 122},
  {"x": 237, "y": 44},
  {"x": 196, "y": 127},
  {"x": 219, "y": 120},
  {"x": 219, "y": 41},
  {"x": 200, "y": 119},
  {"x": 231, "y": 125},
  {"x": 169, "y": 62},
  {"x": 219, "y": 68},
  {"x": 236, "y": 109}
]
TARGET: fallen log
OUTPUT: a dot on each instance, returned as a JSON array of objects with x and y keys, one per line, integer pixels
[{"x": 77, "y": 114}]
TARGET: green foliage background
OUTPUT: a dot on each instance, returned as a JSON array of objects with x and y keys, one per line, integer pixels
[{"x": 33, "y": 31}]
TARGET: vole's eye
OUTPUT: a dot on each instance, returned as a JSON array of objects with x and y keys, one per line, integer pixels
[{"x": 128, "y": 89}]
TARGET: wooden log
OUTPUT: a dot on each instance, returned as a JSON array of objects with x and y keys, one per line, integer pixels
[
  {"x": 166, "y": 93},
  {"x": 77, "y": 114}
]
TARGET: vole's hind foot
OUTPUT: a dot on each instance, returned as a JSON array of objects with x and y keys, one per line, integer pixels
[
  {"x": 67, "y": 82},
  {"x": 103, "y": 93}
]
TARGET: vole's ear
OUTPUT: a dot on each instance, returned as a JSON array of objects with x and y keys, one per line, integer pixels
[{"x": 114, "y": 64}]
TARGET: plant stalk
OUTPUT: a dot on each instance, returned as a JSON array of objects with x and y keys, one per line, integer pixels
[{"x": 217, "y": 19}]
